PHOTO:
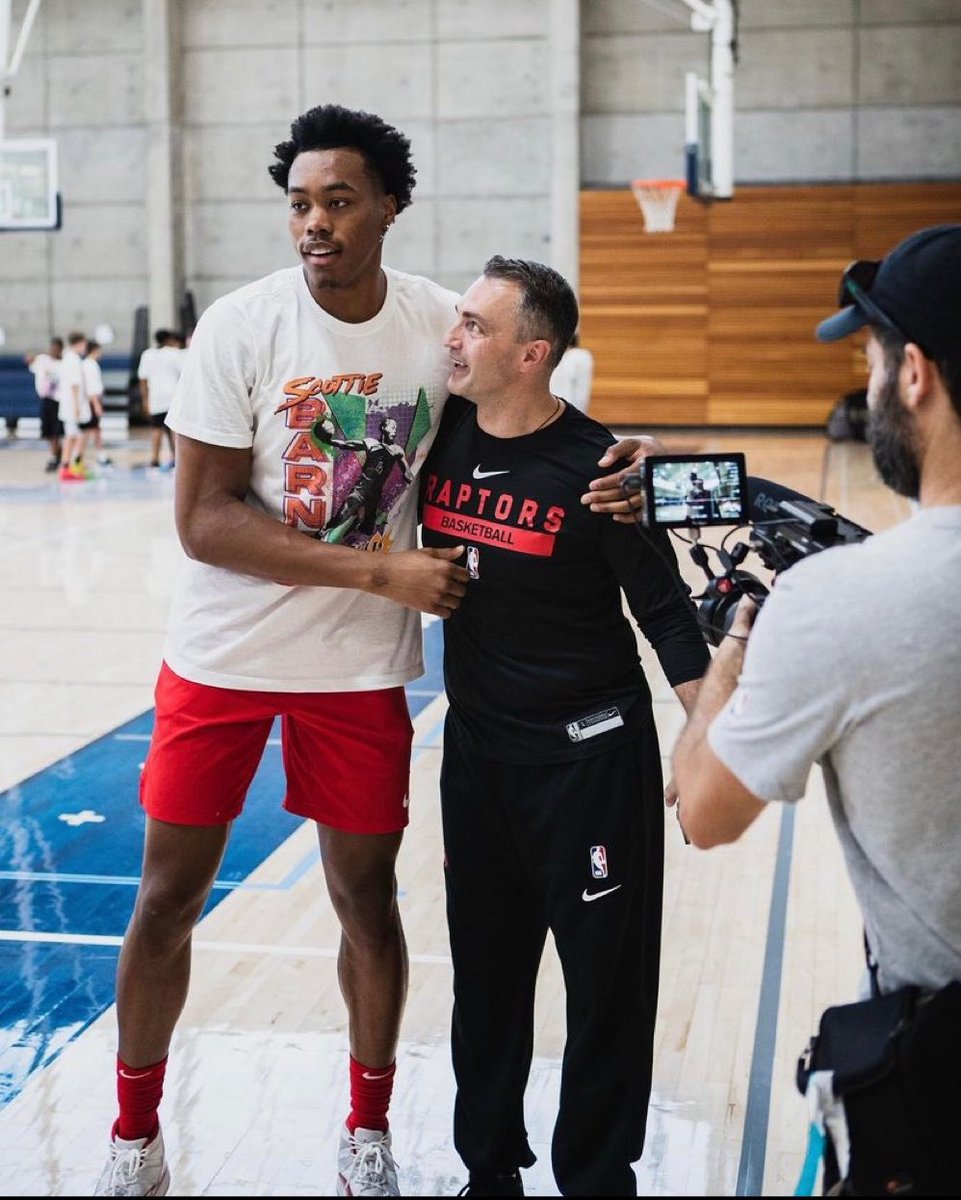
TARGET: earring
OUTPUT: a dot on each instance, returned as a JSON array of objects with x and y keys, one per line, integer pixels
[{"x": 383, "y": 232}]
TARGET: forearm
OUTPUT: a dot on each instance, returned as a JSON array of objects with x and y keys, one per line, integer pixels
[
  {"x": 714, "y": 806},
  {"x": 226, "y": 532},
  {"x": 687, "y": 693},
  {"x": 217, "y": 526},
  {"x": 711, "y": 694}
]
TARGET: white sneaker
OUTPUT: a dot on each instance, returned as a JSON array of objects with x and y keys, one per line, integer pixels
[
  {"x": 135, "y": 1169},
  {"x": 365, "y": 1165}
]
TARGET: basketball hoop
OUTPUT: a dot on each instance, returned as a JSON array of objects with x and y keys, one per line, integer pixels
[{"x": 658, "y": 199}]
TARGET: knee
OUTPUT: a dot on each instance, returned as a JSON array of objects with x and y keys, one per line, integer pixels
[
  {"x": 366, "y": 905},
  {"x": 167, "y": 913}
]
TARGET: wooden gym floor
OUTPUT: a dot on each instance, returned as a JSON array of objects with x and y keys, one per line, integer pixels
[{"x": 759, "y": 937}]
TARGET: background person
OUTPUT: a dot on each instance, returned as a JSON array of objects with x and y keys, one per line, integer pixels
[
  {"x": 551, "y": 788},
  {"x": 854, "y": 662},
  {"x": 45, "y": 368},
  {"x": 329, "y": 649},
  {"x": 93, "y": 382},
  {"x": 73, "y": 407},
  {"x": 697, "y": 498},
  {"x": 573, "y": 376},
  {"x": 159, "y": 373}
]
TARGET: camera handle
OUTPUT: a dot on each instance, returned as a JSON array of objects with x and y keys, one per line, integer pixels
[
  {"x": 699, "y": 554},
  {"x": 723, "y": 592},
  {"x": 729, "y": 560}
]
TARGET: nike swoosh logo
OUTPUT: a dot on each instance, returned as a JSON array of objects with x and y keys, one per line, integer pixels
[
  {"x": 479, "y": 474},
  {"x": 127, "y": 1075},
  {"x": 367, "y": 1075},
  {"x": 587, "y": 896}
]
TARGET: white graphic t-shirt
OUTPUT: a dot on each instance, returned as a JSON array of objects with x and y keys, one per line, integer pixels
[{"x": 340, "y": 418}]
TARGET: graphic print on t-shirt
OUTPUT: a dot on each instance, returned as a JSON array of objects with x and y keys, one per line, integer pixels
[{"x": 349, "y": 458}]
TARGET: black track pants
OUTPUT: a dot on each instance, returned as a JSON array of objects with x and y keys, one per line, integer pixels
[{"x": 578, "y": 848}]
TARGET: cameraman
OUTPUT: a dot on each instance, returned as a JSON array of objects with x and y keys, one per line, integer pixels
[{"x": 855, "y": 660}]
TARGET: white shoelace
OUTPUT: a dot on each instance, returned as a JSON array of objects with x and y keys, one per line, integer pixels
[
  {"x": 367, "y": 1167},
  {"x": 126, "y": 1167}
]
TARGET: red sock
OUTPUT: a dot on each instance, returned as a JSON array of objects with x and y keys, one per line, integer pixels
[
  {"x": 370, "y": 1089},
  {"x": 139, "y": 1090}
]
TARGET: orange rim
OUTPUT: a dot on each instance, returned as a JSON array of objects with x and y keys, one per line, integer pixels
[{"x": 659, "y": 183}]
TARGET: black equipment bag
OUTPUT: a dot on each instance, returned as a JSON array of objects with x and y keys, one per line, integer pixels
[
  {"x": 848, "y": 419},
  {"x": 893, "y": 1124}
]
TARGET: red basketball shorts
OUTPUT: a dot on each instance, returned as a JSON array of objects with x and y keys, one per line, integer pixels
[{"x": 346, "y": 754}]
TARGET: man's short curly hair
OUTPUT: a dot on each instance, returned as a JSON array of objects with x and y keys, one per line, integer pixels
[{"x": 329, "y": 127}]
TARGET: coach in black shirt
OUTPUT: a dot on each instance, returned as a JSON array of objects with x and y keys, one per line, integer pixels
[{"x": 551, "y": 781}]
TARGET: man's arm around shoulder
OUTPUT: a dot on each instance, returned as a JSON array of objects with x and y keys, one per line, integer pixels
[{"x": 714, "y": 806}]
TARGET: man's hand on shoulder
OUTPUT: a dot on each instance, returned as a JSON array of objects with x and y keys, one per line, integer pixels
[{"x": 606, "y": 495}]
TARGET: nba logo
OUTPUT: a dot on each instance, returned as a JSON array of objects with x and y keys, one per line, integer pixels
[{"x": 598, "y": 862}]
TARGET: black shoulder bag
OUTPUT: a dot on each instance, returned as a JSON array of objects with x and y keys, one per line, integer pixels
[{"x": 883, "y": 1081}]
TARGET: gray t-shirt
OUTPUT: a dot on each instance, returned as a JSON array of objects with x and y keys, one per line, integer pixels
[{"x": 855, "y": 662}]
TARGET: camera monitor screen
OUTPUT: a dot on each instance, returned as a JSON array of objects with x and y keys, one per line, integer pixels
[{"x": 684, "y": 490}]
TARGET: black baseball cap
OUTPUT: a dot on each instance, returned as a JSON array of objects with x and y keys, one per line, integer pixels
[{"x": 915, "y": 290}]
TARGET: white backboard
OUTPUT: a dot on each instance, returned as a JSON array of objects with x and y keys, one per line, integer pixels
[{"x": 28, "y": 184}]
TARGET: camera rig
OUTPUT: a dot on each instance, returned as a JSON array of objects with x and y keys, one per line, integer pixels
[
  {"x": 696, "y": 490},
  {"x": 802, "y": 527}
]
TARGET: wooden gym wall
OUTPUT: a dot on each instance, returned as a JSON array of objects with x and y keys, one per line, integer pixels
[{"x": 713, "y": 323}]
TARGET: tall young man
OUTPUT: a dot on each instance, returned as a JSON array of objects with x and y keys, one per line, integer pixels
[
  {"x": 268, "y": 621},
  {"x": 551, "y": 784}
]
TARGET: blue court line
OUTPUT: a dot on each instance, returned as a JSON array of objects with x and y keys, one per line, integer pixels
[
  {"x": 50, "y": 991},
  {"x": 750, "y": 1175},
  {"x": 71, "y": 843},
  {"x": 134, "y": 880}
]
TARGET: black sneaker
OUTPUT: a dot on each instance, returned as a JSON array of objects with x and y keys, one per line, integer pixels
[
  {"x": 52, "y": 465},
  {"x": 494, "y": 1185}
]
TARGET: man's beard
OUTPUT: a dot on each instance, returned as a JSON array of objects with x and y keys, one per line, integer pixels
[{"x": 892, "y": 440}]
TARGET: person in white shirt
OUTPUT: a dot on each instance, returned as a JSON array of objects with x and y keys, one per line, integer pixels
[
  {"x": 573, "y": 376},
  {"x": 93, "y": 381},
  {"x": 74, "y": 407},
  {"x": 271, "y": 618},
  {"x": 45, "y": 368},
  {"x": 159, "y": 373}
]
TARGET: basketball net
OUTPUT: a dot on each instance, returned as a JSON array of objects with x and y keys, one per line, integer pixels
[{"x": 657, "y": 199}]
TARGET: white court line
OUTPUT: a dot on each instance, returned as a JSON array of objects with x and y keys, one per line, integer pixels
[
  {"x": 49, "y": 541},
  {"x": 91, "y": 939}
]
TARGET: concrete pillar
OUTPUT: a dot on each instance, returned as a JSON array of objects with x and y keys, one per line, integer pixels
[
  {"x": 565, "y": 53},
  {"x": 164, "y": 183},
  {"x": 6, "y": 42}
]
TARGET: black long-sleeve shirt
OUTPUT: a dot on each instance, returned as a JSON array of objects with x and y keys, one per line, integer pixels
[{"x": 540, "y": 661}]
